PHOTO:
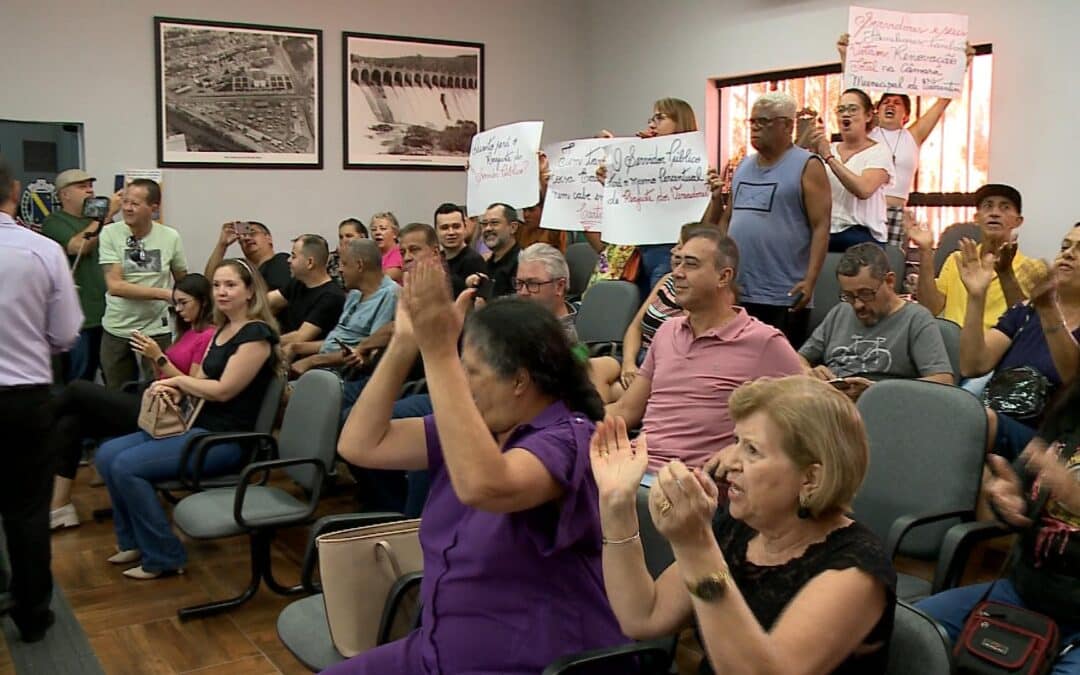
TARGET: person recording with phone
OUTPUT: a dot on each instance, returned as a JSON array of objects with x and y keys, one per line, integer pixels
[
  {"x": 257, "y": 245},
  {"x": 76, "y": 230}
]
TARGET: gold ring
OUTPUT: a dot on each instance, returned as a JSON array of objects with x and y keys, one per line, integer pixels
[{"x": 664, "y": 507}]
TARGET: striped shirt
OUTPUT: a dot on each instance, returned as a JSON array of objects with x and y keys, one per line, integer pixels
[{"x": 662, "y": 308}]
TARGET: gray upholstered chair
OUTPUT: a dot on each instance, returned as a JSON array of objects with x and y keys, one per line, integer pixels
[
  {"x": 305, "y": 450},
  {"x": 897, "y": 263},
  {"x": 927, "y": 446},
  {"x": 581, "y": 259},
  {"x": 606, "y": 312},
  {"x": 919, "y": 646},
  {"x": 826, "y": 291}
]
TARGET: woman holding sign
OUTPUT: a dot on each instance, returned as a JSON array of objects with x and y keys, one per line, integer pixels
[
  {"x": 648, "y": 263},
  {"x": 859, "y": 170}
]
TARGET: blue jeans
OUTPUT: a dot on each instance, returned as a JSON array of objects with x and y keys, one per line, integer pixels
[
  {"x": 85, "y": 357},
  {"x": 655, "y": 263},
  {"x": 130, "y": 465},
  {"x": 951, "y": 609},
  {"x": 845, "y": 239}
]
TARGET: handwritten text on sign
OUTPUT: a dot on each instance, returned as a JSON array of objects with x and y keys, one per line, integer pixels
[
  {"x": 654, "y": 187},
  {"x": 504, "y": 167},
  {"x": 906, "y": 53},
  {"x": 575, "y": 197}
]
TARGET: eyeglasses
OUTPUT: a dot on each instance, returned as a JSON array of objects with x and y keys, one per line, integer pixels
[
  {"x": 658, "y": 118},
  {"x": 758, "y": 122},
  {"x": 864, "y": 295},
  {"x": 688, "y": 262},
  {"x": 136, "y": 253},
  {"x": 490, "y": 223},
  {"x": 844, "y": 109},
  {"x": 531, "y": 285}
]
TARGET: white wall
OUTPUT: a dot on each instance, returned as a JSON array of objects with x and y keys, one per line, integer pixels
[
  {"x": 641, "y": 50},
  {"x": 94, "y": 63}
]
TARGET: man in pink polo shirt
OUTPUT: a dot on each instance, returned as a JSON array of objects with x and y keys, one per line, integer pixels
[{"x": 695, "y": 361}]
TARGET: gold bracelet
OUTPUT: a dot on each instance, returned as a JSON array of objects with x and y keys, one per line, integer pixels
[{"x": 614, "y": 542}]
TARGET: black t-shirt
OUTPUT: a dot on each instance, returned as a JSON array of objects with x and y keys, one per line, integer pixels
[
  {"x": 768, "y": 590},
  {"x": 462, "y": 265},
  {"x": 275, "y": 271},
  {"x": 320, "y": 305},
  {"x": 239, "y": 412},
  {"x": 503, "y": 271}
]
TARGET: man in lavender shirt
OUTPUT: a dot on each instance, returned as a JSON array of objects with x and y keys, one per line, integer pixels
[
  {"x": 696, "y": 361},
  {"x": 41, "y": 317}
]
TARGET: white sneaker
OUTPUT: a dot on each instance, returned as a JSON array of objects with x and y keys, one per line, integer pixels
[{"x": 65, "y": 516}]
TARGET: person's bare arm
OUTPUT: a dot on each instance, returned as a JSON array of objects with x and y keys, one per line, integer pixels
[
  {"x": 715, "y": 209},
  {"x": 862, "y": 185},
  {"x": 817, "y": 201},
  {"x": 594, "y": 240},
  {"x": 631, "y": 405},
  {"x": 928, "y": 294},
  {"x": 85, "y": 241},
  {"x": 277, "y": 301},
  {"x": 1064, "y": 351},
  {"x": 305, "y": 333},
  {"x": 117, "y": 287},
  {"x": 920, "y": 129},
  {"x": 239, "y": 371},
  {"x": 942, "y": 378},
  {"x": 226, "y": 239},
  {"x": 394, "y": 273}
]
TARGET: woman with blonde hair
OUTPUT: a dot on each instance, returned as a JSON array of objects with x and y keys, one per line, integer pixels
[
  {"x": 781, "y": 578},
  {"x": 240, "y": 363},
  {"x": 384, "y": 232}
]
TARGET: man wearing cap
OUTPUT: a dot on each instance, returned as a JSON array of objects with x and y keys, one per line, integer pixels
[
  {"x": 257, "y": 245},
  {"x": 78, "y": 236},
  {"x": 997, "y": 213}
]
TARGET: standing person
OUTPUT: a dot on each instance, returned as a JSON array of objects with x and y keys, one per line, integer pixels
[
  {"x": 78, "y": 235},
  {"x": 142, "y": 259},
  {"x": 461, "y": 259},
  {"x": 257, "y": 245},
  {"x": 779, "y": 217},
  {"x": 859, "y": 170},
  {"x": 347, "y": 230},
  {"x": 530, "y": 231},
  {"x": 310, "y": 305},
  {"x": 41, "y": 317},
  {"x": 384, "y": 232}
]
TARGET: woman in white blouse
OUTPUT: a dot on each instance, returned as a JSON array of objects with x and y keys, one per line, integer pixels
[{"x": 859, "y": 170}]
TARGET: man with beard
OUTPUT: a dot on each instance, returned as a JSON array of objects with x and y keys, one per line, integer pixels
[
  {"x": 499, "y": 227},
  {"x": 779, "y": 217},
  {"x": 873, "y": 332},
  {"x": 257, "y": 245}
]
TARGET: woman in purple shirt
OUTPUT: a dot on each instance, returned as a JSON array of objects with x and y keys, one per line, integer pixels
[{"x": 510, "y": 531}]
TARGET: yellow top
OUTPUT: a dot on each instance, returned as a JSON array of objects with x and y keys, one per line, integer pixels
[{"x": 1028, "y": 272}]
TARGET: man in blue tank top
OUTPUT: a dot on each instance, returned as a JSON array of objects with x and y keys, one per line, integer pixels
[{"x": 779, "y": 218}]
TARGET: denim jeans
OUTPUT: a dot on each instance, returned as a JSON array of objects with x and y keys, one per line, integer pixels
[
  {"x": 951, "y": 609},
  {"x": 845, "y": 239},
  {"x": 655, "y": 263},
  {"x": 84, "y": 359},
  {"x": 130, "y": 465}
]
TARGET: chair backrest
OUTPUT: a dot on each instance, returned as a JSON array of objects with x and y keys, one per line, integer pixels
[
  {"x": 581, "y": 259},
  {"x": 918, "y": 645},
  {"x": 310, "y": 426},
  {"x": 658, "y": 554},
  {"x": 897, "y": 263},
  {"x": 950, "y": 241},
  {"x": 950, "y": 333},
  {"x": 606, "y": 311},
  {"x": 826, "y": 291},
  {"x": 268, "y": 411},
  {"x": 927, "y": 446}
]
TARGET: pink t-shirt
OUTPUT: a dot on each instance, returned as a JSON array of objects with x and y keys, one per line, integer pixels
[
  {"x": 189, "y": 349},
  {"x": 692, "y": 378},
  {"x": 392, "y": 258}
]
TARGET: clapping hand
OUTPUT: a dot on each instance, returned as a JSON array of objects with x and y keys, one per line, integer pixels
[
  {"x": 431, "y": 317},
  {"x": 1003, "y": 488},
  {"x": 617, "y": 462},
  {"x": 976, "y": 270},
  {"x": 920, "y": 235},
  {"x": 819, "y": 141},
  {"x": 1045, "y": 461},
  {"x": 682, "y": 504}
]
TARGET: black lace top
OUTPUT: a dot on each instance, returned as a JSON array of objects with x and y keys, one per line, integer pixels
[
  {"x": 239, "y": 412},
  {"x": 768, "y": 590}
]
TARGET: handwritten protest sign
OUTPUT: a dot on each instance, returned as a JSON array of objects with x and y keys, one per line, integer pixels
[
  {"x": 504, "y": 167},
  {"x": 921, "y": 54},
  {"x": 575, "y": 197},
  {"x": 654, "y": 187}
]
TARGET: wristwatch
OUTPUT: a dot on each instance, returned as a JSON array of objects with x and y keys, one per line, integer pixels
[
  {"x": 161, "y": 361},
  {"x": 711, "y": 586}
]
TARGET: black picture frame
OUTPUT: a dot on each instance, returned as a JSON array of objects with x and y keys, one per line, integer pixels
[
  {"x": 238, "y": 95},
  {"x": 394, "y": 123}
]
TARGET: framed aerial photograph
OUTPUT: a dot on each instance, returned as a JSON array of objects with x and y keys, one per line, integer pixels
[
  {"x": 410, "y": 103},
  {"x": 236, "y": 95}
]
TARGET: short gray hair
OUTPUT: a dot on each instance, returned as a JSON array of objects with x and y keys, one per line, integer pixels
[
  {"x": 778, "y": 102},
  {"x": 548, "y": 256},
  {"x": 365, "y": 251}
]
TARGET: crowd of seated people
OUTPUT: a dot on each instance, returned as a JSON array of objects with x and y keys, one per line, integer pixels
[{"x": 520, "y": 457}]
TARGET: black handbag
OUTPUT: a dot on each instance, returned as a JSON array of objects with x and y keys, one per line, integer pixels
[
  {"x": 1020, "y": 392},
  {"x": 998, "y": 639}
]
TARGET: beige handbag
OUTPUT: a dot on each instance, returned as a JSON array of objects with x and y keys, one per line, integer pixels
[
  {"x": 161, "y": 418},
  {"x": 357, "y": 568}
]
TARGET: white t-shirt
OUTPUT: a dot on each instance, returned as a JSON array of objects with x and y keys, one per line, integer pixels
[
  {"x": 905, "y": 156},
  {"x": 150, "y": 262},
  {"x": 849, "y": 210}
]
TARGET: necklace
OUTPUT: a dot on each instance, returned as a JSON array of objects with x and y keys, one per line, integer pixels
[{"x": 892, "y": 146}]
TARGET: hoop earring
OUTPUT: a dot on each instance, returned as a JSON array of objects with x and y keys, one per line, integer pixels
[{"x": 804, "y": 511}]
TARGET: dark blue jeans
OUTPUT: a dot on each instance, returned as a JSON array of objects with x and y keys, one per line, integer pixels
[
  {"x": 856, "y": 234},
  {"x": 655, "y": 263}
]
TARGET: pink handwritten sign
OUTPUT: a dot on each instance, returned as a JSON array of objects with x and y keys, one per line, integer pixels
[
  {"x": 504, "y": 167},
  {"x": 575, "y": 197},
  {"x": 922, "y": 54}
]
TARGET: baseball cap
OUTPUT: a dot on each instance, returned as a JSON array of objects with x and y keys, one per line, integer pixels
[
  {"x": 70, "y": 177},
  {"x": 998, "y": 190}
]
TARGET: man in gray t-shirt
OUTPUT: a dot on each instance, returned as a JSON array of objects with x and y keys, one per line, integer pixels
[{"x": 874, "y": 333}]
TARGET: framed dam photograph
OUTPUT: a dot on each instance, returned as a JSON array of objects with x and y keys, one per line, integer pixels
[
  {"x": 236, "y": 95},
  {"x": 410, "y": 103}
]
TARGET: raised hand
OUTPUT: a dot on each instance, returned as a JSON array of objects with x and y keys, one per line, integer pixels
[
  {"x": 426, "y": 296},
  {"x": 228, "y": 235},
  {"x": 819, "y": 142},
  {"x": 976, "y": 271},
  {"x": 1005, "y": 491},
  {"x": 716, "y": 183},
  {"x": 920, "y": 235},
  {"x": 682, "y": 504},
  {"x": 617, "y": 462},
  {"x": 1044, "y": 293},
  {"x": 842, "y": 45}
]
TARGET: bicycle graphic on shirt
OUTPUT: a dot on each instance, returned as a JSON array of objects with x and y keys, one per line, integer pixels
[{"x": 862, "y": 355}]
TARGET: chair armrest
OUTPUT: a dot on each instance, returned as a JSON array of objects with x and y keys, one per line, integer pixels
[
  {"x": 904, "y": 524},
  {"x": 603, "y": 348},
  {"x": 655, "y": 657},
  {"x": 267, "y": 466},
  {"x": 193, "y": 457},
  {"x": 135, "y": 386},
  {"x": 394, "y": 599},
  {"x": 957, "y": 545},
  {"x": 335, "y": 523}
]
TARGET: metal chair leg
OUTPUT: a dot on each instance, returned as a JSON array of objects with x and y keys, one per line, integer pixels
[{"x": 260, "y": 560}]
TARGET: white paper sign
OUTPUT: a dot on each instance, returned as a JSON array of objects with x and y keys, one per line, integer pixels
[
  {"x": 654, "y": 186},
  {"x": 575, "y": 197},
  {"x": 504, "y": 167},
  {"x": 922, "y": 54}
]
